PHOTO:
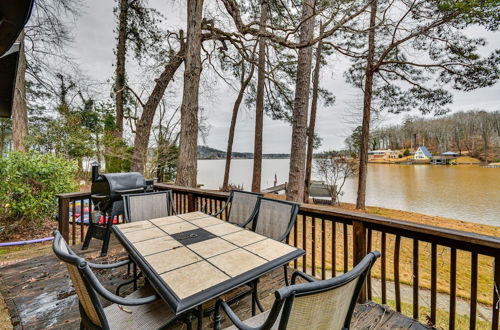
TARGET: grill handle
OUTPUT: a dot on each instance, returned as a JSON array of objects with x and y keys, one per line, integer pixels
[{"x": 129, "y": 191}]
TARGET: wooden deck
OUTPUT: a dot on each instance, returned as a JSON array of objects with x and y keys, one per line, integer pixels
[{"x": 39, "y": 295}]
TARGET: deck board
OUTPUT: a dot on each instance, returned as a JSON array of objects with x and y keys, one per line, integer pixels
[{"x": 39, "y": 294}]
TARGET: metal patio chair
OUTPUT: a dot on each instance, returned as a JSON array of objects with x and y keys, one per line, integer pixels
[
  {"x": 275, "y": 219},
  {"x": 243, "y": 206},
  {"x": 151, "y": 205},
  {"x": 144, "y": 308},
  {"x": 145, "y": 206},
  {"x": 326, "y": 304}
]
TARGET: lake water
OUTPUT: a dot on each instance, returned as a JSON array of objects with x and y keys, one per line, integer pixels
[{"x": 469, "y": 193}]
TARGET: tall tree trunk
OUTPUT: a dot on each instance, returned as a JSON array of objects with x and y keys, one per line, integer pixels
[
  {"x": 143, "y": 129},
  {"x": 19, "y": 106},
  {"x": 3, "y": 133},
  {"x": 367, "y": 104},
  {"x": 236, "y": 107},
  {"x": 259, "y": 102},
  {"x": 312, "y": 119},
  {"x": 295, "y": 189},
  {"x": 187, "y": 165},
  {"x": 120, "y": 67}
]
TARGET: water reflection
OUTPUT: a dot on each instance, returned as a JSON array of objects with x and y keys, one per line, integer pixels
[{"x": 462, "y": 192}]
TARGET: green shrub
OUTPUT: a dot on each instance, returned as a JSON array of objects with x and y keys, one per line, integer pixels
[
  {"x": 29, "y": 183},
  {"x": 406, "y": 153}
]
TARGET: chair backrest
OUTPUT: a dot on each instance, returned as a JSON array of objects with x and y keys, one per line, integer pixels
[
  {"x": 327, "y": 304},
  {"x": 275, "y": 218},
  {"x": 87, "y": 296},
  {"x": 147, "y": 206},
  {"x": 243, "y": 206}
]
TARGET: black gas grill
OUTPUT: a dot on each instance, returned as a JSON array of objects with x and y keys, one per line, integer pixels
[{"x": 106, "y": 193}]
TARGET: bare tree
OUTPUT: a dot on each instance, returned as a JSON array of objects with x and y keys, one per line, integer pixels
[
  {"x": 259, "y": 102},
  {"x": 295, "y": 191},
  {"x": 143, "y": 127},
  {"x": 403, "y": 81},
  {"x": 367, "y": 101},
  {"x": 244, "y": 81},
  {"x": 137, "y": 30},
  {"x": 312, "y": 119},
  {"x": 121, "y": 49},
  {"x": 19, "y": 105},
  {"x": 187, "y": 165},
  {"x": 334, "y": 169}
]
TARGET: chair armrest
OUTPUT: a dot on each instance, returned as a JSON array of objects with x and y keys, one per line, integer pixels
[
  {"x": 109, "y": 266},
  {"x": 174, "y": 211},
  {"x": 204, "y": 210},
  {"x": 252, "y": 217},
  {"x": 268, "y": 323},
  {"x": 303, "y": 275},
  {"x": 114, "y": 298},
  {"x": 232, "y": 316}
]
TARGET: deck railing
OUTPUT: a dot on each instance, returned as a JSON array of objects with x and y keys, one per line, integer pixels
[{"x": 427, "y": 263}]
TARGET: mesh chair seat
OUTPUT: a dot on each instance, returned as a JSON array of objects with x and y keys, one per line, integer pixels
[{"x": 148, "y": 316}]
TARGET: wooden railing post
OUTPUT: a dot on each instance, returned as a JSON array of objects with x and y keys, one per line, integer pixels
[
  {"x": 191, "y": 202},
  {"x": 63, "y": 217},
  {"x": 359, "y": 250}
]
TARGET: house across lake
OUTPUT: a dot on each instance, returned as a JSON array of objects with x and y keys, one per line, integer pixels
[{"x": 446, "y": 158}]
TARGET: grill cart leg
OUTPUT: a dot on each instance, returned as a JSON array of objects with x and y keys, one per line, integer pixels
[
  {"x": 88, "y": 236},
  {"x": 107, "y": 235}
]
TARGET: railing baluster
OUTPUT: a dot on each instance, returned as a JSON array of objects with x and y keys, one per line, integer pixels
[
  {"x": 304, "y": 243},
  {"x": 397, "y": 288},
  {"x": 295, "y": 241},
  {"x": 323, "y": 249},
  {"x": 73, "y": 222},
  {"x": 63, "y": 217},
  {"x": 415, "y": 279},
  {"x": 82, "y": 217},
  {"x": 369, "y": 277},
  {"x": 453, "y": 287},
  {"x": 346, "y": 249},
  {"x": 382, "y": 265},
  {"x": 473, "y": 291},
  {"x": 313, "y": 243},
  {"x": 433, "y": 282},
  {"x": 334, "y": 250},
  {"x": 496, "y": 295}
]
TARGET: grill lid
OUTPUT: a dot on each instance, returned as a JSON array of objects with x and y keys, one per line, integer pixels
[{"x": 121, "y": 182}]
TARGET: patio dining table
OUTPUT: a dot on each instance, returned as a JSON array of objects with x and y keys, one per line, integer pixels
[{"x": 193, "y": 257}]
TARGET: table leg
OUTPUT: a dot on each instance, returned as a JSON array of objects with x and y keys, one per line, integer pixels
[
  {"x": 257, "y": 300},
  {"x": 254, "y": 296},
  {"x": 189, "y": 320},
  {"x": 200, "y": 317}
]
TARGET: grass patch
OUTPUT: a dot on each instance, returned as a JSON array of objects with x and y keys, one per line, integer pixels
[{"x": 463, "y": 275}]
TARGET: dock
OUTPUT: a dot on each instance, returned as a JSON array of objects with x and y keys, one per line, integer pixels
[{"x": 276, "y": 189}]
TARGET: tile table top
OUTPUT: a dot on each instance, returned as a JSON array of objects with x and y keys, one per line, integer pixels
[{"x": 193, "y": 257}]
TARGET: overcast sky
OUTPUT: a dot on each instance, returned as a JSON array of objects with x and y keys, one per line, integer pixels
[{"x": 93, "y": 51}]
